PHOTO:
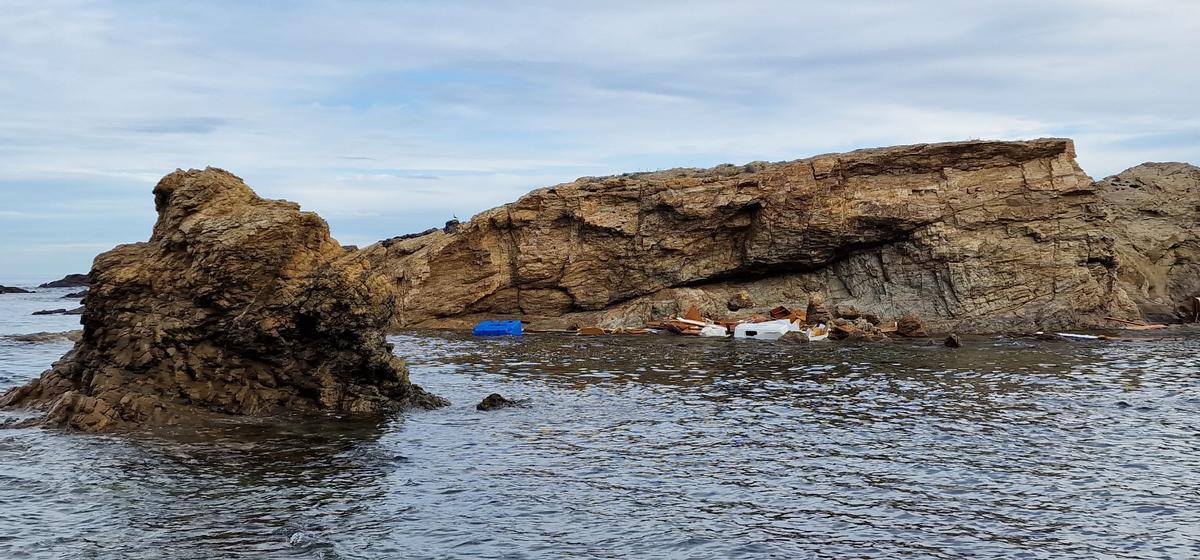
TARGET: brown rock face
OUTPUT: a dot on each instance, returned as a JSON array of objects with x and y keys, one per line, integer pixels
[
  {"x": 970, "y": 236},
  {"x": 1152, "y": 214},
  {"x": 236, "y": 305}
]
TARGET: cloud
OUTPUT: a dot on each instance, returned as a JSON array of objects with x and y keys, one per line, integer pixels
[
  {"x": 177, "y": 125},
  {"x": 387, "y": 117}
]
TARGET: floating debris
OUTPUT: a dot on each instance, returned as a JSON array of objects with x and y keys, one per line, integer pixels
[{"x": 498, "y": 328}]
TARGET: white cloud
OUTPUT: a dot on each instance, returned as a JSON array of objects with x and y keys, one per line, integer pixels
[{"x": 339, "y": 105}]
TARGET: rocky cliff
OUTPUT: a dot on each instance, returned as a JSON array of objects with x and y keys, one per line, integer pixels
[
  {"x": 973, "y": 236},
  {"x": 1152, "y": 211},
  {"x": 236, "y": 305}
]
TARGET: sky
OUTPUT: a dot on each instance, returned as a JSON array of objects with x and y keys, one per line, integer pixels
[{"x": 392, "y": 117}]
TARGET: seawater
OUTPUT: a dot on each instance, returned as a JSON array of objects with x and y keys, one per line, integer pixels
[{"x": 650, "y": 447}]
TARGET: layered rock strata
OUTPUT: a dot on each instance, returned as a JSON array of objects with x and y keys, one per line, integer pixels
[
  {"x": 236, "y": 305},
  {"x": 971, "y": 236}
]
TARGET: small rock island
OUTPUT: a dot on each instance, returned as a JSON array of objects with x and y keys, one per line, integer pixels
[{"x": 237, "y": 305}]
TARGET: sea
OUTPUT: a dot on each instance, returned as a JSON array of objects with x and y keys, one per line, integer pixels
[{"x": 651, "y": 446}]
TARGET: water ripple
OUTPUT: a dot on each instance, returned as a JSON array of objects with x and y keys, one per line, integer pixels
[{"x": 657, "y": 447}]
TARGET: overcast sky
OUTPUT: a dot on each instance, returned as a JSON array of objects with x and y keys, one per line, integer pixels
[{"x": 392, "y": 117}]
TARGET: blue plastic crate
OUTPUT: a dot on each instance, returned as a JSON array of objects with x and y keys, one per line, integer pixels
[{"x": 498, "y": 328}]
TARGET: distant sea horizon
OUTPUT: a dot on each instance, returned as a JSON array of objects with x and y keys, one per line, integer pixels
[{"x": 31, "y": 279}]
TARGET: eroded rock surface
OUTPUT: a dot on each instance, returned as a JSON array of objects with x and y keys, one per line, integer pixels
[
  {"x": 1152, "y": 214},
  {"x": 236, "y": 305},
  {"x": 969, "y": 236}
]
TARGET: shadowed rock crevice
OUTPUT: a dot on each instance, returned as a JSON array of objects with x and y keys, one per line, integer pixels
[{"x": 236, "y": 305}]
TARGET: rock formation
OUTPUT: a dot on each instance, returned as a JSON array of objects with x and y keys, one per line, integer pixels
[
  {"x": 1152, "y": 214},
  {"x": 75, "y": 311},
  {"x": 236, "y": 305},
  {"x": 68, "y": 281},
  {"x": 42, "y": 337},
  {"x": 12, "y": 290},
  {"x": 970, "y": 236},
  {"x": 496, "y": 401}
]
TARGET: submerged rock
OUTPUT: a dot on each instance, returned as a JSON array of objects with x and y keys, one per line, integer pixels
[
  {"x": 236, "y": 305},
  {"x": 495, "y": 401},
  {"x": 12, "y": 290},
  {"x": 68, "y": 281}
]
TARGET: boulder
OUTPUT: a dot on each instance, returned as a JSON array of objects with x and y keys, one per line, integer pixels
[
  {"x": 795, "y": 338},
  {"x": 952, "y": 341},
  {"x": 910, "y": 326},
  {"x": 235, "y": 306},
  {"x": 495, "y": 401},
  {"x": 740, "y": 300},
  {"x": 842, "y": 329},
  {"x": 77, "y": 295},
  {"x": 12, "y": 290},
  {"x": 68, "y": 281}
]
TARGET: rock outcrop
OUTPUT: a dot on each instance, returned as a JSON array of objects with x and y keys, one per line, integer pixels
[
  {"x": 12, "y": 290},
  {"x": 75, "y": 311},
  {"x": 42, "y": 337},
  {"x": 68, "y": 281},
  {"x": 1152, "y": 214},
  {"x": 236, "y": 305},
  {"x": 970, "y": 236},
  {"x": 496, "y": 401}
]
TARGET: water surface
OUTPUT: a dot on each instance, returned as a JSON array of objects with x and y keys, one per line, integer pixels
[{"x": 653, "y": 447}]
